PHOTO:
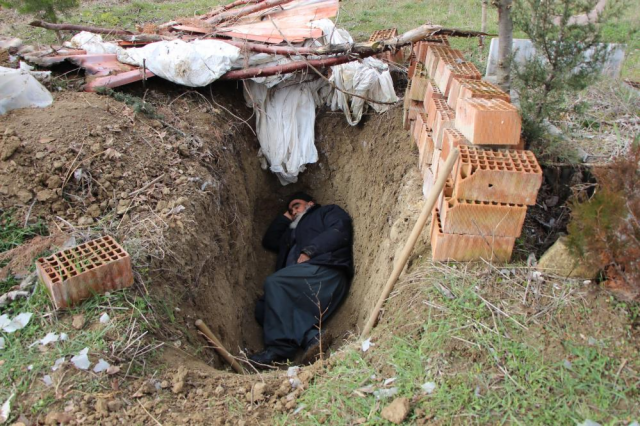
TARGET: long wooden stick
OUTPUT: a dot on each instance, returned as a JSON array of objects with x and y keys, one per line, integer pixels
[
  {"x": 244, "y": 11},
  {"x": 218, "y": 346},
  {"x": 411, "y": 241}
]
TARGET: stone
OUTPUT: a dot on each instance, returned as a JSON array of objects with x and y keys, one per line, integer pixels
[
  {"x": 94, "y": 210},
  {"x": 258, "y": 392},
  {"x": 178, "y": 380},
  {"x": 54, "y": 182},
  {"x": 24, "y": 196},
  {"x": 40, "y": 155},
  {"x": 559, "y": 260},
  {"x": 114, "y": 406},
  {"x": 46, "y": 195},
  {"x": 9, "y": 147},
  {"x": 85, "y": 221},
  {"x": 397, "y": 411},
  {"x": 102, "y": 407},
  {"x": 78, "y": 322},
  {"x": 123, "y": 206},
  {"x": 55, "y": 418}
]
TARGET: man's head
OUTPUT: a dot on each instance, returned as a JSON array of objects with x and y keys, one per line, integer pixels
[{"x": 299, "y": 203}]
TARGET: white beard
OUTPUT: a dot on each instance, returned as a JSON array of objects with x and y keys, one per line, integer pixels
[{"x": 294, "y": 224}]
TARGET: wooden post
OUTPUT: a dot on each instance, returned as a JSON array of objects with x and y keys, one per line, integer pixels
[
  {"x": 218, "y": 346},
  {"x": 411, "y": 241}
]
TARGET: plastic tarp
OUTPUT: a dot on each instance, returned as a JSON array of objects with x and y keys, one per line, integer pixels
[
  {"x": 19, "y": 89},
  {"x": 195, "y": 64},
  {"x": 285, "y": 107},
  {"x": 370, "y": 79},
  {"x": 285, "y": 120}
]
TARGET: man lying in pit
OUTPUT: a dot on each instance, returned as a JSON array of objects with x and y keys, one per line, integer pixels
[{"x": 313, "y": 270}]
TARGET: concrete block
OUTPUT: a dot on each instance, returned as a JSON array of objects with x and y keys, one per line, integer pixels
[
  {"x": 465, "y": 247},
  {"x": 471, "y": 88},
  {"x": 488, "y": 121},
  {"x": 445, "y": 119},
  {"x": 451, "y": 139},
  {"x": 457, "y": 69},
  {"x": 77, "y": 273},
  {"x": 432, "y": 92},
  {"x": 503, "y": 176},
  {"x": 433, "y": 106}
]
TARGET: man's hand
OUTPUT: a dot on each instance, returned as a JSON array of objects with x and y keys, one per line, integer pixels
[
  {"x": 288, "y": 215},
  {"x": 303, "y": 258}
]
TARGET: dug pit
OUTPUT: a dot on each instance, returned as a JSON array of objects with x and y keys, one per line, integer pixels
[{"x": 217, "y": 265}]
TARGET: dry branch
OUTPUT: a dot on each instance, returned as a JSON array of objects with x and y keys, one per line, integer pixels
[
  {"x": 239, "y": 13},
  {"x": 71, "y": 27}
]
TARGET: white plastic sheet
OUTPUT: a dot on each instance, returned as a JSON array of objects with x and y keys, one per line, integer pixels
[
  {"x": 370, "y": 79},
  {"x": 19, "y": 89},
  {"x": 92, "y": 43},
  {"x": 193, "y": 64},
  {"x": 285, "y": 119}
]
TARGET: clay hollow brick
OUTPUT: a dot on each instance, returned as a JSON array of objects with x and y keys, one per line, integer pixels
[
  {"x": 436, "y": 53},
  {"x": 383, "y": 34},
  {"x": 412, "y": 65},
  {"x": 432, "y": 92},
  {"x": 406, "y": 123},
  {"x": 488, "y": 121},
  {"x": 503, "y": 176},
  {"x": 426, "y": 151},
  {"x": 418, "y": 127},
  {"x": 481, "y": 217},
  {"x": 433, "y": 106},
  {"x": 451, "y": 139},
  {"x": 469, "y": 88},
  {"x": 445, "y": 119},
  {"x": 418, "y": 86},
  {"x": 466, "y": 247},
  {"x": 415, "y": 108},
  {"x": 464, "y": 70},
  {"x": 77, "y": 273}
]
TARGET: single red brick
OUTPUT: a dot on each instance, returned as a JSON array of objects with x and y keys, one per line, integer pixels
[
  {"x": 503, "y": 176},
  {"x": 451, "y": 139},
  {"x": 465, "y": 247},
  {"x": 488, "y": 121},
  {"x": 418, "y": 86},
  {"x": 445, "y": 119},
  {"x": 78, "y": 273},
  {"x": 435, "y": 105},
  {"x": 461, "y": 70},
  {"x": 471, "y": 88},
  {"x": 432, "y": 92}
]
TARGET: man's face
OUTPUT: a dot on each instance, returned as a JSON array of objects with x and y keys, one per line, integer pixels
[{"x": 297, "y": 207}]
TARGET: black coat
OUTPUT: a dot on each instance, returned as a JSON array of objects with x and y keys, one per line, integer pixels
[{"x": 324, "y": 233}]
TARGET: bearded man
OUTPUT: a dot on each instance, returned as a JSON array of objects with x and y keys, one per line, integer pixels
[{"x": 313, "y": 269}]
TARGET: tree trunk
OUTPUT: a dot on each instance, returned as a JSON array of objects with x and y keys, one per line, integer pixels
[
  {"x": 483, "y": 25},
  {"x": 505, "y": 39}
]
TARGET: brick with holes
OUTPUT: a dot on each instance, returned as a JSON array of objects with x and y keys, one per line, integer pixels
[{"x": 488, "y": 121}]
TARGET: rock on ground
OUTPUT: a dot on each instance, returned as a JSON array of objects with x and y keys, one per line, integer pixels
[{"x": 397, "y": 411}]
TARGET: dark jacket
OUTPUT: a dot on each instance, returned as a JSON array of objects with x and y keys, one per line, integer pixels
[{"x": 324, "y": 233}]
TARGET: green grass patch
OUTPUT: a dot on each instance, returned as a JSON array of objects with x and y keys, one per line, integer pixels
[
  {"x": 12, "y": 233},
  {"x": 487, "y": 368}
]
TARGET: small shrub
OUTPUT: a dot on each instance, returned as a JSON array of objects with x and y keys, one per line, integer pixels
[
  {"x": 605, "y": 230},
  {"x": 46, "y": 9}
]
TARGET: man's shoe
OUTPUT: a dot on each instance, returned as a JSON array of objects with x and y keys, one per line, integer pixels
[
  {"x": 265, "y": 359},
  {"x": 313, "y": 349}
]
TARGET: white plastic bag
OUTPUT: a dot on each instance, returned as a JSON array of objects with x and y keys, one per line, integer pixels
[{"x": 19, "y": 89}]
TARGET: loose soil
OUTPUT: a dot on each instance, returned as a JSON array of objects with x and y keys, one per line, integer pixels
[{"x": 185, "y": 194}]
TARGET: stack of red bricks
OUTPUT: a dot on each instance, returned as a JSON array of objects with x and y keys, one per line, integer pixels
[{"x": 483, "y": 206}]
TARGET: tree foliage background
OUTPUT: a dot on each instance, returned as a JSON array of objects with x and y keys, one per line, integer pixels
[{"x": 45, "y": 9}]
